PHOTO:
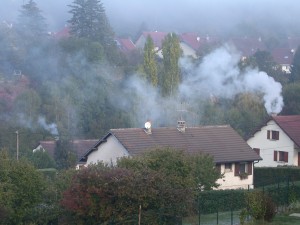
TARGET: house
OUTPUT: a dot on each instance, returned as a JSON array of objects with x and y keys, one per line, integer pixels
[
  {"x": 157, "y": 38},
  {"x": 277, "y": 141},
  {"x": 248, "y": 46},
  {"x": 230, "y": 152},
  {"x": 125, "y": 45},
  {"x": 284, "y": 58},
  {"x": 77, "y": 146},
  {"x": 191, "y": 43}
]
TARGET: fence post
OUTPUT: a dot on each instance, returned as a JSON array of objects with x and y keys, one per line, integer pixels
[
  {"x": 198, "y": 209},
  {"x": 287, "y": 191}
]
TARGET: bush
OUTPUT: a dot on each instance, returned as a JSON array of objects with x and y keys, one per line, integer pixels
[{"x": 260, "y": 206}]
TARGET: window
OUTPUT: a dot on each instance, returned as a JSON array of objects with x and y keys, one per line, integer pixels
[
  {"x": 228, "y": 167},
  {"x": 257, "y": 150},
  {"x": 281, "y": 156},
  {"x": 273, "y": 135},
  {"x": 243, "y": 168}
]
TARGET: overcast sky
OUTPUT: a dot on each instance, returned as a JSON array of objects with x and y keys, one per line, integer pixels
[{"x": 173, "y": 15}]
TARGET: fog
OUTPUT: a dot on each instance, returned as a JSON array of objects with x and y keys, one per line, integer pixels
[{"x": 208, "y": 16}]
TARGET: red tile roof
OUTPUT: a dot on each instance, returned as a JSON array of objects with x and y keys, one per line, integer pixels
[
  {"x": 79, "y": 147},
  {"x": 290, "y": 125},
  {"x": 248, "y": 46},
  {"x": 49, "y": 146},
  {"x": 125, "y": 44},
  {"x": 82, "y": 146},
  {"x": 222, "y": 142},
  {"x": 283, "y": 56},
  {"x": 191, "y": 39},
  {"x": 156, "y": 36},
  {"x": 195, "y": 41}
]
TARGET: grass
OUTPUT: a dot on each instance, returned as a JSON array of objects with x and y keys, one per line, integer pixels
[
  {"x": 281, "y": 219},
  {"x": 225, "y": 219}
]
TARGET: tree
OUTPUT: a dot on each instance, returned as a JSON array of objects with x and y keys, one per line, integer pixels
[
  {"x": 31, "y": 24},
  {"x": 246, "y": 113},
  {"x": 21, "y": 190},
  {"x": 64, "y": 156},
  {"x": 149, "y": 64},
  {"x": 162, "y": 183},
  {"x": 295, "y": 73},
  {"x": 89, "y": 21},
  {"x": 291, "y": 96},
  {"x": 171, "y": 53}
]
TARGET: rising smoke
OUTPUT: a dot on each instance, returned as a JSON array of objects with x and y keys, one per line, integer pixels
[{"x": 218, "y": 75}]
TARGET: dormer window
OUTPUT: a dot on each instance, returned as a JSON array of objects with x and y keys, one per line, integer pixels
[{"x": 273, "y": 135}]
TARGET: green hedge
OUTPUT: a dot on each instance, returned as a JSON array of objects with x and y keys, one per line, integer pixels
[
  {"x": 221, "y": 200},
  {"x": 272, "y": 175}
]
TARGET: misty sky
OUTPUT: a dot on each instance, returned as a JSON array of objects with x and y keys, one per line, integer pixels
[{"x": 172, "y": 15}]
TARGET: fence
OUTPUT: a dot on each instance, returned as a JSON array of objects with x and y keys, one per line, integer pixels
[{"x": 222, "y": 207}]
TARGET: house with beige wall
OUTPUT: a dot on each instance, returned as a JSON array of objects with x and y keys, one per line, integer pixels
[
  {"x": 277, "y": 141},
  {"x": 231, "y": 154}
]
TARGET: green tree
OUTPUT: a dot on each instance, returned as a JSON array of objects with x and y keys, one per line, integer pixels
[
  {"x": 31, "y": 24},
  {"x": 295, "y": 73},
  {"x": 21, "y": 190},
  {"x": 65, "y": 158},
  {"x": 42, "y": 160},
  {"x": 171, "y": 53},
  {"x": 89, "y": 21},
  {"x": 291, "y": 96},
  {"x": 246, "y": 113},
  {"x": 149, "y": 64}
]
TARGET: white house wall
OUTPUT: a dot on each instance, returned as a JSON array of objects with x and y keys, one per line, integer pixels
[
  {"x": 229, "y": 181},
  {"x": 267, "y": 146},
  {"x": 187, "y": 50},
  {"x": 107, "y": 152}
]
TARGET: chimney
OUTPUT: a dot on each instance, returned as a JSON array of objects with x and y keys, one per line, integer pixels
[
  {"x": 148, "y": 127},
  {"x": 181, "y": 125}
]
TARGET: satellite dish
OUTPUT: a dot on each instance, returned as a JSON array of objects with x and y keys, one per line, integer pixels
[{"x": 147, "y": 125}]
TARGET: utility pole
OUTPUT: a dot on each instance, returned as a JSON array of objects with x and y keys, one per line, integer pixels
[{"x": 17, "y": 132}]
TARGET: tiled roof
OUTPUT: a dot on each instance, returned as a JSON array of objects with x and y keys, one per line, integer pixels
[
  {"x": 79, "y": 147},
  {"x": 191, "y": 39},
  {"x": 195, "y": 41},
  {"x": 290, "y": 125},
  {"x": 49, "y": 146},
  {"x": 125, "y": 44},
  {"x": 283, "y": 56},
  {"x": 222, "y": 142},
  {"x": 82, "y": 146},
  {"x": 248, "y": 46},
  {"x": 156, "y": 36}
]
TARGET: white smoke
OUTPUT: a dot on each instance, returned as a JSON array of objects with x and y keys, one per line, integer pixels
[
  {"x": 52, "y": 127},
  {"x": 219, "y": 75}
]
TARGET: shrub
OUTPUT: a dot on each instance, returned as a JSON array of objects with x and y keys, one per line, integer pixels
[{"x": 260, "y": 206}]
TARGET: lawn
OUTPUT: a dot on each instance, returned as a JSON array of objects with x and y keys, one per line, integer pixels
[{"x": 224, "y": 218}]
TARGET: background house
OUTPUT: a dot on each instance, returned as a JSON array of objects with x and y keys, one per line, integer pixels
[
  {"x": 277, "y": 141},
  {"x": 230, "y": 152},
  {"x": 157, "y": 38},
  {"x": 77, "y": 146}
]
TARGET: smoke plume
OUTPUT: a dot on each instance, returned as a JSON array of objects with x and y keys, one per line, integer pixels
[{"x": 219, "y": 75}]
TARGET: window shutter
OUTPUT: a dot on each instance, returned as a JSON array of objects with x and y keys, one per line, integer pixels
[
  {"x": 268, "y": 134},
  {"x": 250, "y": 168},
  {"x": 236, "y": 169},
  {"x": 275, "y": 155},
  {"x": 286, "y": 156},
  {"x": 218, "y": 168}
]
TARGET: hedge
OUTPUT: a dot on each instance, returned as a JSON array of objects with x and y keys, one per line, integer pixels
[{"x": 272, "y": 175}]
